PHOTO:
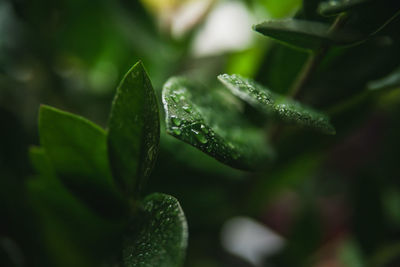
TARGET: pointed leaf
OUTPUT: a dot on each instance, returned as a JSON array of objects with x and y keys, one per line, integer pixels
[
  {"x": 77, "y": 151},
  {"x": 158, "y": 236},
  {"x": 211, "y": 121},
  {"x": 134, "y": 130},
  {"x": 334, "y": 7},
  {"x": 273, "y": 104},
  {"x": 305, "y": 34}
]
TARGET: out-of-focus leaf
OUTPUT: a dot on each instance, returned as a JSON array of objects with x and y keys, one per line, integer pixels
[
  {"x": 211, "y": 121},
  {"x": 279, "y": 9},
  {"x": 77, "y": 150},
  {"x": 305, "y": 34},
  {"x": 334, "y": 7},
  {"x": 159, "y": 234},
  {"x": 350, "y": 254},
  {"x": 391, "y": 81},
  {"x": 273, "y": 104},
  {"x": 73, "y": 234},
  {"x": 134, "y": 130}
]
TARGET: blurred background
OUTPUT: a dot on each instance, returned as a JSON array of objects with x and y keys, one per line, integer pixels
[{"x": 325, "y": 202}]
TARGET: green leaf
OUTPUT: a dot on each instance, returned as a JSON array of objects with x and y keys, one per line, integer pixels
[
  {"x": 211, "y": 121},
  {"x": 77, "y": 151},
  {"x": 305, "y": 34},
  {"x": 391, "y": 81},
  {"x": 134, "y": 130},
  {"x": 73, "y": 235},
  {"x": 272, "y": 104},
  {"x": 158, "y": 236},
  {"x": 334, "y": 7}
]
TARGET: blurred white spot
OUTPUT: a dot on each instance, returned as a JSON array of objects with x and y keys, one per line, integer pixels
[
  {"x": 227, "y": 28},
  {"x": 250, "y": 240},
  {"x": 188, "y": 15}
]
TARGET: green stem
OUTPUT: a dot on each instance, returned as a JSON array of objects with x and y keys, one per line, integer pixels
[
  {"x": 313, "y": 61},
  {"x": 305, "y": 74}
]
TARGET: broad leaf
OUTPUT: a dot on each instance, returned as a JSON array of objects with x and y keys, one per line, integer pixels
[
  {"x": 77, "y": 151},
  {"x": 305, "y": 34},
  {"x": 276, "y": 105},
  {"x": 73, "y": 235},
  {"x": 158, "y": 236},
  {"x": 334, "y": 7},
  {"x": 211, "y": 121},
  {"x": 133, "y": 130}
]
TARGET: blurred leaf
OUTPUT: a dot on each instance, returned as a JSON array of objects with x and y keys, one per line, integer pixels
[
  {"x": 73, "y": 234},
  {"x": 350, "y": 254},
  {"x": 273, "y": 104},
  {"x": 391, "y": 81},
  {"x": 134, "y": 130},
  {"x": 334, "y": 7},
  {"x": 77, "y": 150},
  {"x": 158, "y": 236},
  {"x": 279, "y": 9},
  {"x": 305, "y": 34},
  {"x": 210, "y": 120}
]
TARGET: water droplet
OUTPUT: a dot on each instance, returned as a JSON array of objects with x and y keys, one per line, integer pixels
[
  {"x": 187, "y": 108},
  {"x": 176, "y": 130},
  {"x": 175, "y": 98},
  {"x": 200, "y": 136},
  {"x": 176, "y": 121},
  {"x": 204, "y": 129}
]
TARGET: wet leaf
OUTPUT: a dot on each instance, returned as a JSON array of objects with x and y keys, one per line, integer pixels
[
  {"x": 334, "y": 7},
  {"x": 158, "y": 236},
  {"x": 272, "y": 104},
  {"x": 134, "y": 130},
  {"x": 211, "y": 121},
  {"x": 77, "y": 151},
  {"x": 305, "y": 34}
]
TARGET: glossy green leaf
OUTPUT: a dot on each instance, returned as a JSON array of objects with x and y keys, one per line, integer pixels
[
  {"x": 158, "y": 235},
  {"x": 272, "y": 104},
  {"x": 133, "y": 130},
  {"x": 73, "y": 235},
  {"x": 305, "y": 34},
  {"x": 77, "y": 151},
  {"x": 391, "y": 81},
  {"x": 211, "y": 121},
  {"x": 334, "y": 7}
]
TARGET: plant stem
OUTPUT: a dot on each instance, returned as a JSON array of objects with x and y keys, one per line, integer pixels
[
  {"x": 306, "y": 72},
  {"x": 313, "y": 61},
  {"x": 308, "y": 68}
]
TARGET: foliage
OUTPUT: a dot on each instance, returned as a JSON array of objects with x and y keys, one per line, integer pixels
[{"x": 299, "y": 132}]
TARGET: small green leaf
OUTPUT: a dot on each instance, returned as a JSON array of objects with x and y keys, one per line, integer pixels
[
  {"x": 133, "y": 130},
  {"x": 77, "y": 151},
  {"x": 334, "y": 7},
  {"x": 391, "y": 81},
  {"x": 211, "y": 121},
  {"x": 305, "y": 34},
  {"x": 158, "y": 236},
  {"x": 273, "y": 104}
]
